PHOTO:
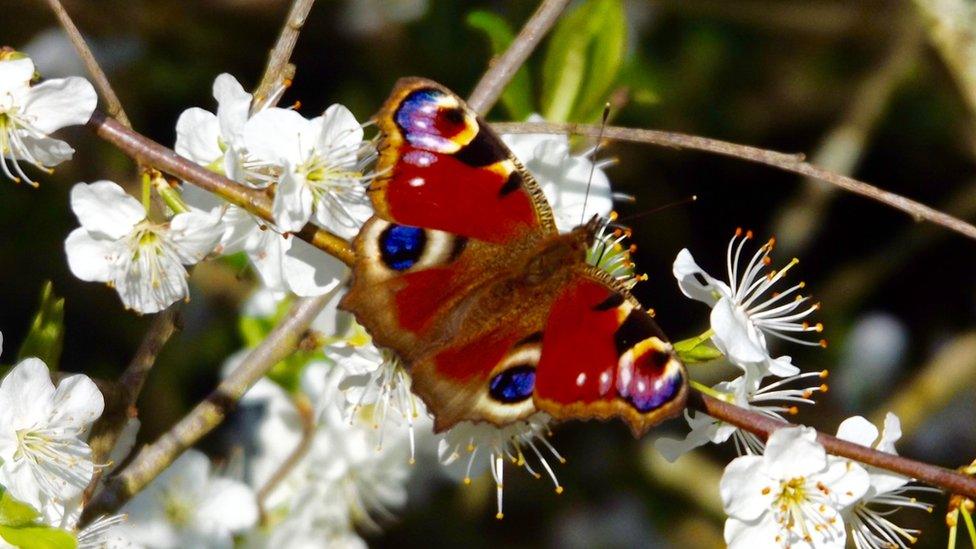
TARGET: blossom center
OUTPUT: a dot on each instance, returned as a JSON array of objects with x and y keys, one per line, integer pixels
[
  {"x": 177, "y": 510},
  {"x": 792, "y": 492}
]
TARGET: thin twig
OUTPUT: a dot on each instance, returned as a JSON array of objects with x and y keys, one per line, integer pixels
[
  {"x": 278, "y": 68},
  {"x": 106, "y": 431},
  {"x": 208, "y": 414},
  {"x": 94, "y": 69},
  {"x": 257, "y": 202},
  {"x": 759, "y": 424},
  {"x": 789, "y": 162},
  {"x": 306, "y": 414},
  {"x": 503, "y": 69},
  {"x": 798, "y": 222}
]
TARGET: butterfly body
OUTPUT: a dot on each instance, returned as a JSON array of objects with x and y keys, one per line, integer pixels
[{"x": 463, "y": 273}]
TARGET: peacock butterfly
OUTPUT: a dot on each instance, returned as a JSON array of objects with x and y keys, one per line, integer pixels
[{"x": 463, "y": 273}]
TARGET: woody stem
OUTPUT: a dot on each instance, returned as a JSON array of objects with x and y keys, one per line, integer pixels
[{"x": 762, "y": 425}]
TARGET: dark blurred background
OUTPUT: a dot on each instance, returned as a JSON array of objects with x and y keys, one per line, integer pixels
[{"x": 860, "y": 86}]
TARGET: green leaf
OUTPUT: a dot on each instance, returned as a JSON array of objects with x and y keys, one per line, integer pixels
[
  {"x": 46, "y": 335},
  {"x": 15, "y": 513},
  {"x": 697, "y": 349},
  {"x": 38, "y": 537},
  {"x": 517, "y": 97},
  {"x": 605, "y": 57},
  {"x": 582, "y": 60}
]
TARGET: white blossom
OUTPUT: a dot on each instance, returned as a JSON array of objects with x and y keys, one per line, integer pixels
[
  {"x": 746, "y": 391},
  {"x": 188, "y": 506},
  {"x": 791, "y": 496},
  {"x": 321, "y": 161},
  {"x": 143, "y": 260},
  {"x": 344, "y": 480},
  {"x": 741, "y": 317},
  {"x": 869, "y": 518},
  {"x": 44, "y": 459},
  {"x": 29, "y": 113},
  {"x": 520, "y": 443},
  {"x": 216, "y": 140},
  {"x": 564, "y": 177}
]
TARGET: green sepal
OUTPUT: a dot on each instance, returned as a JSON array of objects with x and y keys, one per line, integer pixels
[
  {"x": 15, "y": 513},
  {"x": 46, "y": 335},
  {"x": 38, "y": 537},
  {"x": 697, "y": 349},
  {"x": 517, "y": 97},
  {"x": 582, "y": 60},
  {"x": 19, "y": 527}
]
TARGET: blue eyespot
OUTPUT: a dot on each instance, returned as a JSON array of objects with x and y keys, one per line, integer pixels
[
  {"x": 513, "y": 385},
  {"x": 402, "y": 246},
  {"x": 653, "y": 398}
]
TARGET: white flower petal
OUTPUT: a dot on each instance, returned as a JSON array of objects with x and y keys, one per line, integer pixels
[
  {"x": 198, "y": 136},
  {"x": 309, "y": 271},
  {"x": 734, "y": 335},
  {"x": 781, "y": 367},
  {"x": 672, "y": 449},
  {"x": 793, "y": 452},
  {"x": 194, "y": 234},
  {"x": 228, "y": 503},
  {"x": 745, "y": 489},
  {"x": 266, "y": 250},
  {"x": 15, "y": 74},
  {"x": 29, "y": 384},
  {"x": 59, "y": 103},
  {"x": 694, "y": 282},
  {"x": 847, "y": 481},
  {"x": 340, "y": 135},
  {"x": 89, "y": 257},
  {"x": 77, "y": 402},
  {"x": 47, "y": 151},
  {"x": 292, "y": 205},
  {"x": 104, "y": 207},
  {"x": 857, "y": 430},
  {"x": 273, "y": 135},
  {"x": 891, "y": 434},
  {"x": 233, "y": 107}
]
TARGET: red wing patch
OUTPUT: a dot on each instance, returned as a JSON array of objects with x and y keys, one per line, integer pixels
[
  {"x": 421, "y": 294},
  {"x": 437, "y": 191},
  {"x": 443, "y": 168},
  {"x": 603, "y": 357}
]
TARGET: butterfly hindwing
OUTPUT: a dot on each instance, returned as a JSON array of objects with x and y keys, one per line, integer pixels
[
  {"x": 488, "y": 378},
  {"x": 441, "y": 167},
  {"x": 603, "y": 356},
  {"x": 405, "y": 278}
]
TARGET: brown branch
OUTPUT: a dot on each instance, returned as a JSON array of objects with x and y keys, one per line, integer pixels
[
  {"x": 148, "y": 152},
  {"x": 503, "y": 69},
  {"x": 205, "y": 416},
  {"x": 279, "y": 69},
  {"x": 759, "y": 424},
  {"x": 105, "y": 433},
  {"x": 94, "y": 69},
  {"x": 789, "y": 162}
]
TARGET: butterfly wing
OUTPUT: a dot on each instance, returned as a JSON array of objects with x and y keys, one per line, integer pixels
[
  {"x": 453, "y": 208},
  {"x": 441, "y": 167},
  {"x": 603, "y": 357}
]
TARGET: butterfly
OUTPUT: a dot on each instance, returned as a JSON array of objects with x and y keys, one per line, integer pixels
[{"x": 497, "y": 315}]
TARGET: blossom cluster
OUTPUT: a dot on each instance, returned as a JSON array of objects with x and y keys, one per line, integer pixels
[
  {"x": 786, "y": 492},
  {"x": 332, "y": 433}
]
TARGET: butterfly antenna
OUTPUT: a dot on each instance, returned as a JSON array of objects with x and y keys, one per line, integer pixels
[
  {"x": 589, "y": 181},
  {"x": 682, "y": 202}
]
